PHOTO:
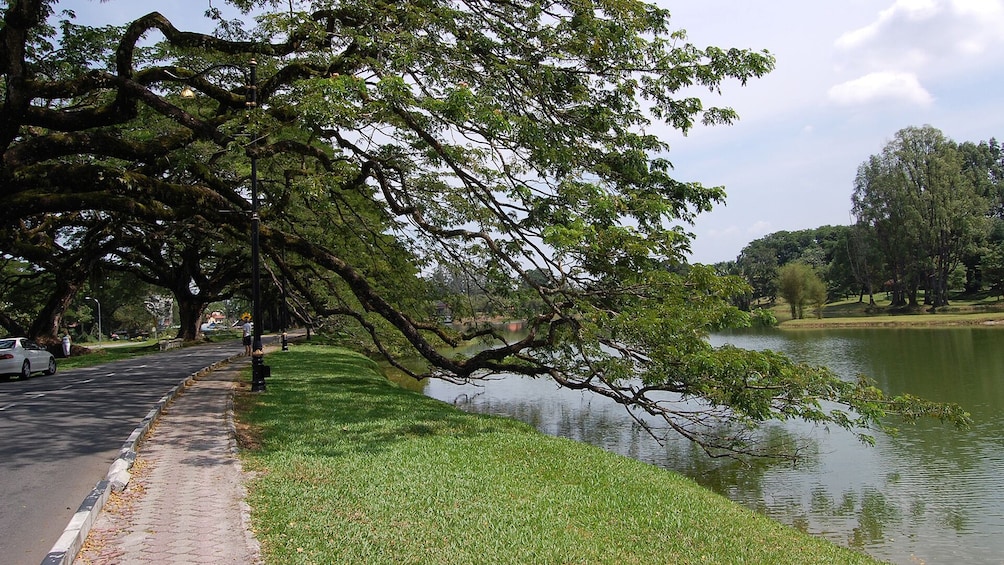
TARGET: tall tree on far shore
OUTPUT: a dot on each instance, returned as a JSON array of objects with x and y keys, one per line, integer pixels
[
  {"x": 800, "y": 286},
  {"x": 864, "y": 261},
  {"x": 924, "y": 211},
  {"x": 983, "y": 163}
]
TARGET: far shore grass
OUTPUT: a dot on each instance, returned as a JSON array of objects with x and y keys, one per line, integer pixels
[
  {"x": 851, "y": 313},
  {"x": 350, "y": 468}
]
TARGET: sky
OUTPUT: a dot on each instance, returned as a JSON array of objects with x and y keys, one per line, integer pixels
[{"x": 849, "y": 75}]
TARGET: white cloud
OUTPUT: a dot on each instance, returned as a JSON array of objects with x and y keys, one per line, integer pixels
[
  {"x": 881, "y": 86},
  {"x": 983, "y": 9},
  {"x": 857, "y": 37},
  {"x": 940, "y": 29},
  {"x": 987, "y": 17},
  {"x": 914, "y": 10}
]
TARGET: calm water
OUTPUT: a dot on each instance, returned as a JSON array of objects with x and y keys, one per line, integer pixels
[{"x": 930, "y": 494}]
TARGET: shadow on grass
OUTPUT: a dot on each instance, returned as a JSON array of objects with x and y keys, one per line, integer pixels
[{"x": 325, "y": 401}]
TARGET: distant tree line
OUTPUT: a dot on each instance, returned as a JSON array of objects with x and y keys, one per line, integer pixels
[{"x": 928, "y": 219}]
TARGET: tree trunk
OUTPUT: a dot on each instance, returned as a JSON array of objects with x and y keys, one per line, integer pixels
[
  {"x": 898, "y": 295},
  {"x": 190, "y": 310},
  {"x": 45, "y": 327},
  {"x": 941, "y": 287}
]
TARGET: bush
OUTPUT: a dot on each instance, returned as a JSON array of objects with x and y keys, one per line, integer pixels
[{"x": 762, "y": 318}]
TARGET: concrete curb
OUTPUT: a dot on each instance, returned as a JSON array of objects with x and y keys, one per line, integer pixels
[{"x": 69, "y": 544}]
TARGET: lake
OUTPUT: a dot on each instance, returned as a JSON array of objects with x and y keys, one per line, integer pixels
[{"x": 929, "y": 494}]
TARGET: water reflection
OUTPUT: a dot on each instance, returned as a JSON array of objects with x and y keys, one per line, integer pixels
[{"x": 929, "y": 494}]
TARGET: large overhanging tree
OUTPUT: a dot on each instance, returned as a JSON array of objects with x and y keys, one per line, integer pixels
[{"x": 515, "y": 142}]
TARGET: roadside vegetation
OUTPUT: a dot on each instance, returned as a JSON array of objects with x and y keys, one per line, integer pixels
[
  {"x": 350, "y": 468},
  {"x": 90, "y": 355}
]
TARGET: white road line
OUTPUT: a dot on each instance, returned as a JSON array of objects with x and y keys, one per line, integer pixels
[{"x": 2, "y": 408}]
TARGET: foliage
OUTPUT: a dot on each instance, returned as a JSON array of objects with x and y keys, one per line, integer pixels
[
  {"x": 762, "y": 318},
  {"x": 791, "y": 283},
  {"x": 758, "y": 264},
  {"x": 512, "y": 143},
  {"x": 19, "y": 283},
  {"x": 993, "y": 269},
  {"x": 800, "y": 286},
  {"x": 815, "y": 293},
  {"x": 731, "y": 268},
  {"x": 925, "y": 212},
  {"x": 823, "y": 248}
]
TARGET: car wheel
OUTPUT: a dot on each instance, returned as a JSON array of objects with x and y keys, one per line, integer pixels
[
  {"x": 52, "y": 367},
  {"x": 26, "y": 370}
]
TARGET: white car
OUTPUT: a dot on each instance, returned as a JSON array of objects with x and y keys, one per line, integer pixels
[{"x": 22, "y": 356}]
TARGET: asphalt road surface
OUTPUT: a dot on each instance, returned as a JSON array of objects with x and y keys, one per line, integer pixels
[{"x": 59, "y": 434}]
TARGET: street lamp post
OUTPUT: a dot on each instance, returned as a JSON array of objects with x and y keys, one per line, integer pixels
[
  {"x": 99, "y": 315},
  {"x": 258, "y": 370}
]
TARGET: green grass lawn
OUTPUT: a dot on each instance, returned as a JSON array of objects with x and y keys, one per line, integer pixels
[
  {"x": 107, "y": 352},
  {"x": 99, "y": 355},
  {"x": 350, "y": 468}
]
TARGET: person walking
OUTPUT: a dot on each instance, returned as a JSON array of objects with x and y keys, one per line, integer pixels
[
  {"x": 246, "y": 329},
  {"x": 66, "y": 344}
]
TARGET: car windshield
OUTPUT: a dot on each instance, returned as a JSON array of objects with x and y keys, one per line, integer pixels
[{"x": 6, "y": 344}]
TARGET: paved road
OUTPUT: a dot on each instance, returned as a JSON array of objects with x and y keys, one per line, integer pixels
[{"x": 59, "y": 435}]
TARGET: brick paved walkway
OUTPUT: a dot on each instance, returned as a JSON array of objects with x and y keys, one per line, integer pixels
[{"x": 185, "y": 501}]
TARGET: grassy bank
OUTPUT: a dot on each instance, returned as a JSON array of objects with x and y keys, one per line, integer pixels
[{"x": 353, "y": 469}]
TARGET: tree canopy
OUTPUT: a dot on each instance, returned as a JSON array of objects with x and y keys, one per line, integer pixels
[
  {"x": 514, "y": 144},
  {"x": 925, "y": 211}
]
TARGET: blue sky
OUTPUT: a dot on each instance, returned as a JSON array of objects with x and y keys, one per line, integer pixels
[{"x": 850, "y": 74}]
